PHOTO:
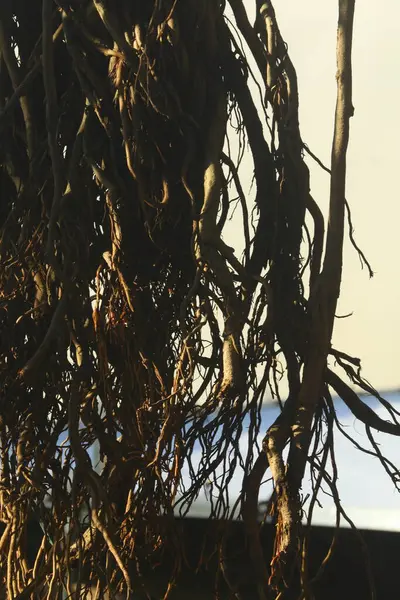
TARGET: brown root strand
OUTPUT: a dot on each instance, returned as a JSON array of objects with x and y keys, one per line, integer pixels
[{"x": 139, "y": 337}]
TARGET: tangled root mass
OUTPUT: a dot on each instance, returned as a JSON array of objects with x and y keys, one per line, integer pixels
[{"x": 127, "y": 322}]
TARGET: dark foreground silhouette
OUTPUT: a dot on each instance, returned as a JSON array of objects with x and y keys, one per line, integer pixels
[{"x": 345, "y": 576}]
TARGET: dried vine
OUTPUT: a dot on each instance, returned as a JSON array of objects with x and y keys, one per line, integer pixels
[{"x": 126, "y": 320}]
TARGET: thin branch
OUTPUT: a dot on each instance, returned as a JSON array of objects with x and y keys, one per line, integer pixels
[{"x": 360, "y": 410}]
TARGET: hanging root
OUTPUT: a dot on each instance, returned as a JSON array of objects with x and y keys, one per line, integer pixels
[{"x": 137, "y": 344}]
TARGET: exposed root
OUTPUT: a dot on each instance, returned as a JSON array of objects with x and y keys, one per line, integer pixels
[{"x": 137, "y": 345}]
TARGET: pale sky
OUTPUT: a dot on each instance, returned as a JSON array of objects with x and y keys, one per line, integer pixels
[{"x": 309, "y": 28}]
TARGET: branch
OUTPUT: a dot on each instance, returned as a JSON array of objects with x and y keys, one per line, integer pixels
[
  {"x": 318, "y": 241},
  {"x": 324, "y": 299},
  {"x": 361, "y": 411},
  {"x": 249, "y": 35},
  {"x": 14, "y": 71},
  {"x": 344, "y": 111},
  {"x": 363, "y": 258},
  {"x": 20, "y": 90},
  {"x": 51, "y": 122},
  {"x": 53, "y": 331}
]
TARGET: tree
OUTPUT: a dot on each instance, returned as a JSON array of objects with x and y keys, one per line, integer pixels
[{"x": 126, "y": 319}]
